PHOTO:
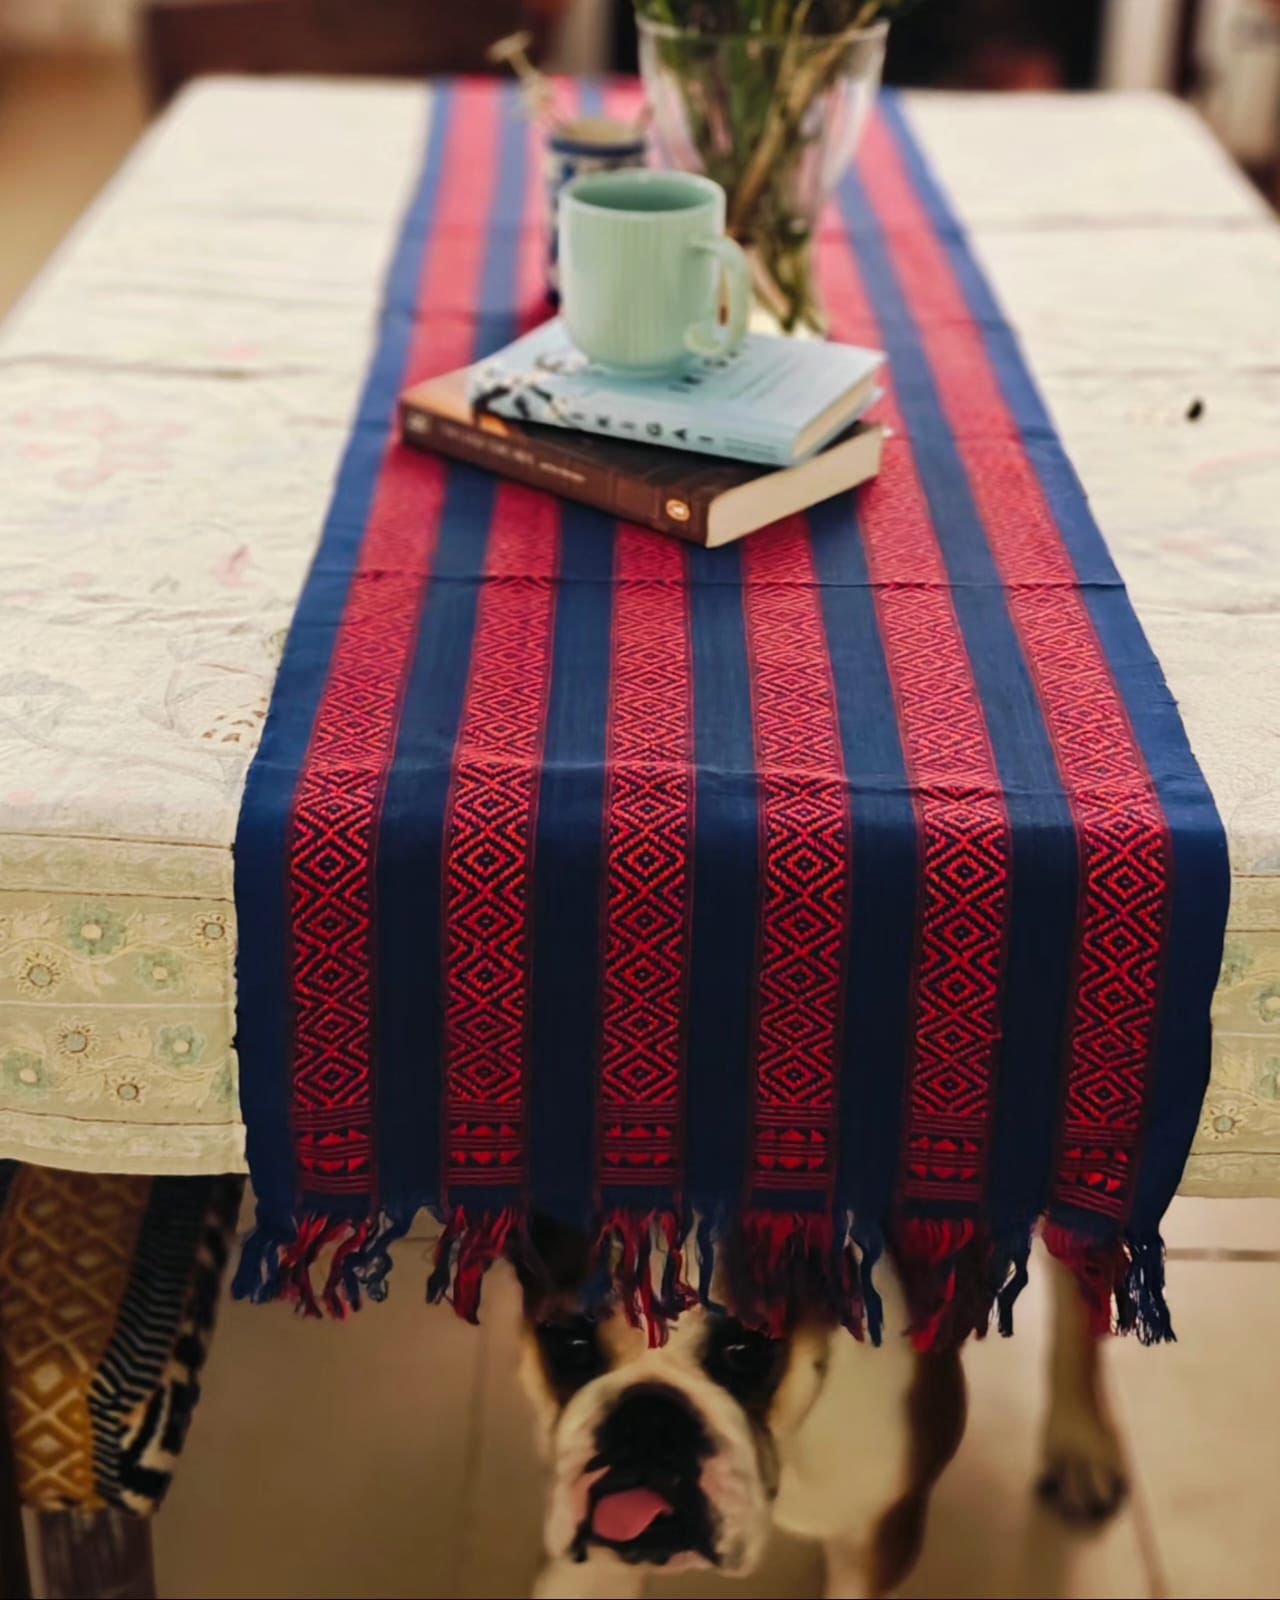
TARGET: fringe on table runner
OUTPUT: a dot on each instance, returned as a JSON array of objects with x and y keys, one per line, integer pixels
[{"x": 774, "y": 1267}]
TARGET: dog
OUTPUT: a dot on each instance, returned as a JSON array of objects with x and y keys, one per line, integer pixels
[{"x": 685, "y": 1455}]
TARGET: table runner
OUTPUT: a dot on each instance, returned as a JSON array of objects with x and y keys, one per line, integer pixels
[{"x": 856, "y": 883}]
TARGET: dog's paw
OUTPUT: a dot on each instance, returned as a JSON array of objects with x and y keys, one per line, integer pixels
[{"x": 1083, "y": 1474}]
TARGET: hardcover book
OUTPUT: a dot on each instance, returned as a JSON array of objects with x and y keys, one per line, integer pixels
[
  {"x": 695, "y": 497},
  {"x": 775, "y": 401}
]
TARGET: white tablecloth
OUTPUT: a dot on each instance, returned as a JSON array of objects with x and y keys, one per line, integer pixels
[{"x": 174, "y": 398}]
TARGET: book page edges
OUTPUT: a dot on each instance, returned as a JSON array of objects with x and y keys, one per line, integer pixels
[
  {"x": 738, "y": 512},
  {"x": 843, "y": 410}
]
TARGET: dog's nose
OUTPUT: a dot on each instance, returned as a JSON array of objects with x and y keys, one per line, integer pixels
[{"x": 653, "y": 1424}]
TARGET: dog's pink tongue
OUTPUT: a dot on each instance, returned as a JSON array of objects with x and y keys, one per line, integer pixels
[{"x": 619, "y": 1518}]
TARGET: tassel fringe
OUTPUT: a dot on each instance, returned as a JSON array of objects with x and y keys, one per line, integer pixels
[
  {"x": 774, "y": 1268},
  {"x": 1121, "y": 1282}
]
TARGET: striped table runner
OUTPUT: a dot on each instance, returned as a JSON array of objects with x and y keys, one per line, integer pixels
[{"x": 851, "y": 888}]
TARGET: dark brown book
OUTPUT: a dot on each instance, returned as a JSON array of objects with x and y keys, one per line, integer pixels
[{"x": 700, "y": 498}]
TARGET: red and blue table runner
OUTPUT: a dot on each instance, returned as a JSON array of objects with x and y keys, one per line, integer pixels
[{"x": 853, "y": 888}]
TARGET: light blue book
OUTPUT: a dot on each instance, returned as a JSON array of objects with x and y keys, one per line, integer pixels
[{"x": 774, "y": 401}]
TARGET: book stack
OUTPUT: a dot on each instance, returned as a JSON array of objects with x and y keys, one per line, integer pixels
[{"x": 709, "y": 453}]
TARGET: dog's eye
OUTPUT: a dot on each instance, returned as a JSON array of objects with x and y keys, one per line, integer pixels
[
  {"x": 748, "y": 1357},
  {"x": 571, "y": 1350},
  {"x": 745, "y": 1362}
]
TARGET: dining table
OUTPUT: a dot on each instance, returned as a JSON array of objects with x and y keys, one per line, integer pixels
[{"x": 176, "y": 391}]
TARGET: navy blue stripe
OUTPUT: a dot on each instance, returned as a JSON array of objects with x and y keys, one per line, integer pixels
[
  {"x": 409, "y": 945},
  {"x": 725, "y": 923},
  {"x": 263, "y": 976},
  {"x": 569, "y": 860},
  {"x": 1201, "y": 885},
  {"x": 591, "y": 97},
  {"x": 410, "y": 957},
  {"x": 1045, "y": 869},
  {"x": 885, "y": 871}
]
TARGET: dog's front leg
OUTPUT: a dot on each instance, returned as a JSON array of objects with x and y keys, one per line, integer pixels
[
  {"x": 847, "y": 1566},
  {"x": 599, "y": 1577},
  {"x": 1082, "y": 1474}
]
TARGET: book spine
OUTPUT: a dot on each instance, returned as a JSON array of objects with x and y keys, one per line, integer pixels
[
  {"x": 563, "y": 472},
  {"x": 659, "y": 425}
]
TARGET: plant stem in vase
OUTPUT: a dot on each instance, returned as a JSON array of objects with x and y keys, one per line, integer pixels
[{"x": 769, "y": 98}]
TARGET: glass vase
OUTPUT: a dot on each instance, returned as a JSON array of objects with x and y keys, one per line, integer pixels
[{"x": 775, "y": 119}]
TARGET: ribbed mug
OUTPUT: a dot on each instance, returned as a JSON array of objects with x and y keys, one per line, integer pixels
[{"x": 641, "y": 259}]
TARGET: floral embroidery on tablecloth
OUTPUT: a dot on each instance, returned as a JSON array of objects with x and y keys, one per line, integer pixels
[
  {"x": 1237, "y": 1142},
  {"x": 116, "y": 1009}
]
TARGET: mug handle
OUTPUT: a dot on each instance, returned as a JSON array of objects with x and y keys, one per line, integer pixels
[{"x": 709, "y": 338}]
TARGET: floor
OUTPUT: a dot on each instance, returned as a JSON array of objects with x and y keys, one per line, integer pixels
[
  {"x": 64, "y": 127},
  {"x": 392, "y": 1455}
]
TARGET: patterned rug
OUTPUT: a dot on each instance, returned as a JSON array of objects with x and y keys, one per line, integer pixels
[{"x": 108, "y": 1288}]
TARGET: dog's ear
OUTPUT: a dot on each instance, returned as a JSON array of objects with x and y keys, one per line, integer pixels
[{"x": 552, "y": 1266}]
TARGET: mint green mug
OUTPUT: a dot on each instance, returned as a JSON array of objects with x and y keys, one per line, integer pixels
[{"x": 641, "y": 256}]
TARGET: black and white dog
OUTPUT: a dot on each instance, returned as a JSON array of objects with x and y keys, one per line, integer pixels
[{"x": 686, "y": 1454}]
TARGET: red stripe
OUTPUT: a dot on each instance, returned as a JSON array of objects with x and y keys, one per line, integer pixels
[
  {"x": 449, "y": 287},
  {"x": 624, "y": 98},
  {"x": 648, "y": 833},
  {"x": 338, "y": 800},
  {"x": 1120, "y": 824},
  {"x": 965, "y": 847},
  {"x": 489, "y": 838},
  {"x": 531, "y": 275},
  {"x": 805, "y": 850},
  {"x": 492, "y": 812}
]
